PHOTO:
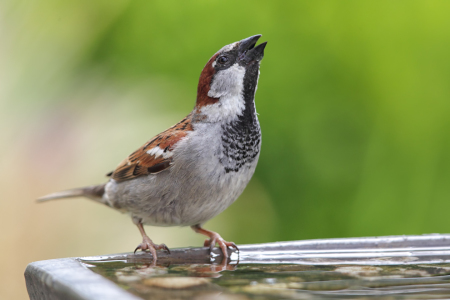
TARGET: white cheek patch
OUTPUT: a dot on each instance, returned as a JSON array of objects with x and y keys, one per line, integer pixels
[
  {"x": 228, "y": 85},
  {"x": 156, "y": 151},
  {"x": 228, "y": 82},
  {"x": 227, "y": 109}
]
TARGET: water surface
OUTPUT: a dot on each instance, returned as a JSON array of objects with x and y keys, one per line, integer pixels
[
  {"x": 397, "y": 267},
  {"x": 278, "y": 281}
]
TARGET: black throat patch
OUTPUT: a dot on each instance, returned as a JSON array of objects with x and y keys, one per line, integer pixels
[{"x": 241, "y": 139}]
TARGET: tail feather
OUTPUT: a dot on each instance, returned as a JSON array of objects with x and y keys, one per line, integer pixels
[{"x": 94, "y": 192}]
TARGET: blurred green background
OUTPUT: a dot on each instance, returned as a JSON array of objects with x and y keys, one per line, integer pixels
[{"x": 353, "y": 100}]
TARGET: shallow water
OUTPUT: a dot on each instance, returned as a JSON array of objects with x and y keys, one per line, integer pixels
[
  {"x": 393, "y": 267},
  {"x": 277, "y": 281}
]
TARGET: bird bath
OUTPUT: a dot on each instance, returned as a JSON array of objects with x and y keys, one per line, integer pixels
[{"x": 397, "y": 267}]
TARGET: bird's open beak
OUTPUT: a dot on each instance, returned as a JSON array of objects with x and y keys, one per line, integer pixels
[{"x": 247, "y": 50}]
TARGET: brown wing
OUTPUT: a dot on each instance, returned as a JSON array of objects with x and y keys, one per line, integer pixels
[{"x": 155, "y": 156}]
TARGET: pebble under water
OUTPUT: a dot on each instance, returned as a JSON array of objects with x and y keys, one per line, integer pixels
[{"x": 277, "y": 281}]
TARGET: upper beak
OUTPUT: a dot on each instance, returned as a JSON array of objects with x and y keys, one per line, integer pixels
[{"x": 247, "y": 50}]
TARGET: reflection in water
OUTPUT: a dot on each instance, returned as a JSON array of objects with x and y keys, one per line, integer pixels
[
  {"x": 277, "y": 281},
  {"x": 397, "y": 267}
]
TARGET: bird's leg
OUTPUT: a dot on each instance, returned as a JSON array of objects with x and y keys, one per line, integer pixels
[
  {"x": 147, "y": 243},
  {"x": 214, "y": 238}
]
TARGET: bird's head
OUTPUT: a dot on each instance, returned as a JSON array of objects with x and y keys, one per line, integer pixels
[{"x": 228, "y": 81}]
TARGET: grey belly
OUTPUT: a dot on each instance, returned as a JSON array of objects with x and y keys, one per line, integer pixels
[{"x": 180, "y": 196}]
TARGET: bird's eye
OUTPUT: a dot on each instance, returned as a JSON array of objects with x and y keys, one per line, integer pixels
[{"x": 222, "y": 59}]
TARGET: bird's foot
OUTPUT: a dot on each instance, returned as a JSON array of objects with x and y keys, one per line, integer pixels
[
  {"x": 147, "y": 244},
  {"x": 215, "y": 238}
]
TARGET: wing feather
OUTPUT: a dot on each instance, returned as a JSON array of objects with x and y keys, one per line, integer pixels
[{"x": 155, "y": 156}]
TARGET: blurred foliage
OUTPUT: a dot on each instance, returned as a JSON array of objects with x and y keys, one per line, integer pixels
[
  {"x": 354, "y": 101},
  {"x": 353, "y": 97}
]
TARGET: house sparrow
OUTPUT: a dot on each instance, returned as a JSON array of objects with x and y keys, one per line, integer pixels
[{"x": 194, "y": 170}]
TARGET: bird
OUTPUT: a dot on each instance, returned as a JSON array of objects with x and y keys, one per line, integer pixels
[{"x": 194, "y": 170}]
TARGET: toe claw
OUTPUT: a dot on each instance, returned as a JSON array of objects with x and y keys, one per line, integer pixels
[
  {"x": 137, "y": 248},
  {"x": 233, "y": 245},
  {"x": 166, "y": 248}
]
